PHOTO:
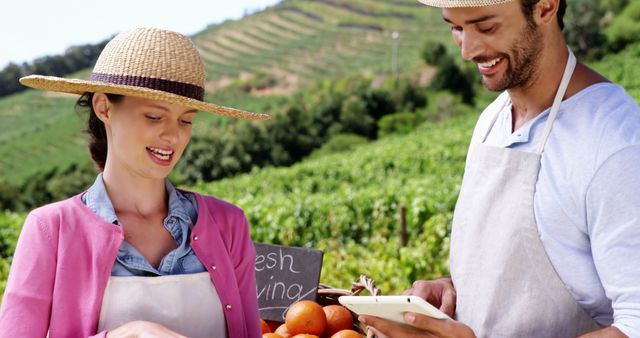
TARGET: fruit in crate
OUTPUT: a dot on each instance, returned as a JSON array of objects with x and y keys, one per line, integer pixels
[
  {"x": 346, "y": 334},
  {"x": 271, "y": 335},
  {"x": 338, "y": 318},
  {"x": 283, "y": 331},
  {"x": 306, "y": 317}
]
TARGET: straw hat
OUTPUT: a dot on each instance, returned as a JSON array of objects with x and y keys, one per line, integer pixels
[
  {"x": 150, "y": 63},
  {"x": 462, "y": 3}
]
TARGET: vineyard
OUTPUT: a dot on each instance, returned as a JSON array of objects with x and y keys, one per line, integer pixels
[
  {"x": 304, "y": 40},
  {"x": 347, "y": 205},
  {"x": 278, "y": 51}
]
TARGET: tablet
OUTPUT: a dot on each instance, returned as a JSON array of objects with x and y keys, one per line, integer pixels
[{"x": 391, "y": 308}]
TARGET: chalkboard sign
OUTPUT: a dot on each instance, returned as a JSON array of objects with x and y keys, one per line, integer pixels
[{"x": 285, "y": 275}]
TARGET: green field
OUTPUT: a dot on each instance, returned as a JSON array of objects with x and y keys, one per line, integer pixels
[
  {"x": 296, "y": 42},
  {"x": 347, "y": 204}
]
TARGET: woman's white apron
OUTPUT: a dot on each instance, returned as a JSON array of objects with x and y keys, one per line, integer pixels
[{"x": 187, "y": 304}]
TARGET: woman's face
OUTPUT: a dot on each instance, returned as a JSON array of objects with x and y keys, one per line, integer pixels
[{"x": 145, "y": 137}]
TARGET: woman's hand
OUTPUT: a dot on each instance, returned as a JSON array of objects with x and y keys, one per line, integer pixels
[
  {"x": 439, "y": 292},
  {"x": 142, "y": 329},
  {"x": 421, "y": 326}
]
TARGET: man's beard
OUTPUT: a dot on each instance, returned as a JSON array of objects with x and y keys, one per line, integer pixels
[{"x": 524, "y": 57}]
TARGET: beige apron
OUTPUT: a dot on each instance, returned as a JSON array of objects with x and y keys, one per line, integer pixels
[
  {"x": 187, "y": 304},
  {"x": 506, "y": 286}
]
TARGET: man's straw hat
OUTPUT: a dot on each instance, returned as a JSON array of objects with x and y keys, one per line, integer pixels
[
  {"x": 146, "y": 62},
  {"x": 462, "y": 3}
]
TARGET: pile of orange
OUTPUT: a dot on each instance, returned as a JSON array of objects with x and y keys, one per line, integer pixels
[{"x": 307, "y": 319}]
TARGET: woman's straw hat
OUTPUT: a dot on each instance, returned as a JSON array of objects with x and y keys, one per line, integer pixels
[
  {"x": 462, "y": 3},
  {"x": 150, "y": 63}
]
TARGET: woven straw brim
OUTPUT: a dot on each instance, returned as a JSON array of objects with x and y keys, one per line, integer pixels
[
  {"x": 75, "y": 86},
  {"x": 462, "y": 3}
]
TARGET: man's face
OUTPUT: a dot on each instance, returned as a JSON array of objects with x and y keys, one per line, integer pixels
[{"x": 500, "y": 40}]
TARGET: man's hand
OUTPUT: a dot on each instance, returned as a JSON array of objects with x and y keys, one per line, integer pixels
[
  {"x": 421, "y": 326},
  {"x": 143, "y": 329},
  {"x": 439, "y": 292}
]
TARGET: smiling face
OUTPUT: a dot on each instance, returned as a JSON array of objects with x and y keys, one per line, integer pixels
[
  {"x": 505, "y": 45},
  {"x": 146, "y": 138}
]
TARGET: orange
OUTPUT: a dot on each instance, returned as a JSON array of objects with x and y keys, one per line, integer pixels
[
  {"x": 271, "y": 335},
  {"x": 264, "y": 326},
  {"x": 338, "y": 318},
  {"x": 306, "y": 317},
  {"x": 283, "y": 331},
  {"x": 346, "y": 334},
  {"x": 304, "y": 335}
]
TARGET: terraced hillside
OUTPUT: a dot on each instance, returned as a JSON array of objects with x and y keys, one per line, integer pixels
[
  {"x": 295, "y": 43},
  {"x": 303, "y": 40}
]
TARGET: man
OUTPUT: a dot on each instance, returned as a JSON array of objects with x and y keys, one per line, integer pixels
[{"x": 546, "y": 232}]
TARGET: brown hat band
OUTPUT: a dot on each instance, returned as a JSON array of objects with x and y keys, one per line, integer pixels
[{"x": 173, "y": 87}]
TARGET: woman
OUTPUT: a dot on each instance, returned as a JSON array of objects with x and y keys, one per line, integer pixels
[{"x": 133, "y": 256}]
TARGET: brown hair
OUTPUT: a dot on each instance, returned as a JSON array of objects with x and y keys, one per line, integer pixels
[
  {"x": 528, "y": 6},
  {"x": 95, "y": 128}
]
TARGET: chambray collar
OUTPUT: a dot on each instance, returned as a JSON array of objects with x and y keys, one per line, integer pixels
[
  {"x": 176, "y": 203},
  {"x": 97, "y": 199},
  {"x": 99, "y": 202}
]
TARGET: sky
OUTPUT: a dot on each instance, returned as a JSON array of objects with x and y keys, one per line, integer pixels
[{"x": 34, "y": 28}]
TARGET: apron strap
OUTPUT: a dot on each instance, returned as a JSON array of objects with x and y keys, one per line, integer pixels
[
  {"x": 564, "y": 83},
  {"x": 566, "y": 77},
  {"x": 495, "y": 118}
]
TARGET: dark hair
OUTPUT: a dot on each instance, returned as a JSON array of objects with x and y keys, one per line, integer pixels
[
  {"x": 95, "y": 128},
  {"x": 528, "y": 5}
]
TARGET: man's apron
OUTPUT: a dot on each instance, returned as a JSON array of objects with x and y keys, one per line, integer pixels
[
  {"x": 187, "y": 304},
  {"x": 506, "y": 286}
]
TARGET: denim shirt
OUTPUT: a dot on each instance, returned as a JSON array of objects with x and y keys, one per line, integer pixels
[{"x": 182, "y": 214}]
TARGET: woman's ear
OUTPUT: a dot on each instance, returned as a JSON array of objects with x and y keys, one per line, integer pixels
[{"x": 102, "y": 106}]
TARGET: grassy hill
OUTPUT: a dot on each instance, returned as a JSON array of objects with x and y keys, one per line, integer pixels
[
  {"x": 288, "y": 46},
  {"x": 309, "y": 40}
]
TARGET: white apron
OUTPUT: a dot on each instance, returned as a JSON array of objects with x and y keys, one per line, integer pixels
[
  {"x": 506, "y": 286},
  {"x": 187, "y": 304}
]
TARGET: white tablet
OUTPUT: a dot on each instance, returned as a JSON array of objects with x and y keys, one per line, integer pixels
[{"x": 391, "y": 308}]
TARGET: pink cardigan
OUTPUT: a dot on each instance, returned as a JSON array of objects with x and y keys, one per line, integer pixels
[{"x": 64, "y": 256}]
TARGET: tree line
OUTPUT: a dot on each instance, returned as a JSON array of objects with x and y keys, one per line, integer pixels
[{"x": 74, "y": 59}]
